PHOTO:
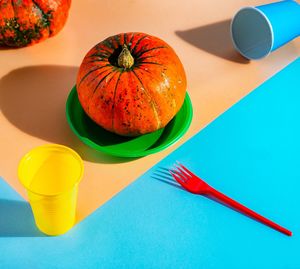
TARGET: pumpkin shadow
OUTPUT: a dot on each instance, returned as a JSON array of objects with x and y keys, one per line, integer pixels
[
  {"x": 34, "y": 99},
  {"x": 215, "y": 39}
]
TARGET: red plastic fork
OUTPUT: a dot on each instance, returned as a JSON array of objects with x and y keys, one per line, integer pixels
[{"x": 196, "y": 185}]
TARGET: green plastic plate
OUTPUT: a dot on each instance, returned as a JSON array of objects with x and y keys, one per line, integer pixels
[{"x": 100, "y": 139}]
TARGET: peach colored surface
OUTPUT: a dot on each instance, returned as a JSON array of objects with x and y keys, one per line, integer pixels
[{"x": 35, "y": 81}]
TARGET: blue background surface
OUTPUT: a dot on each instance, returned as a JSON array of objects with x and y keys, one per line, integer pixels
[{"x": 251, "y": 153}]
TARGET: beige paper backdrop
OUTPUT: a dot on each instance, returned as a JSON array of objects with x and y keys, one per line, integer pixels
[{"x": 35, "y": 81}]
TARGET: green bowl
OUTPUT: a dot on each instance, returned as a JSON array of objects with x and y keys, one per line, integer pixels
[{"x": 99, "y": 139}]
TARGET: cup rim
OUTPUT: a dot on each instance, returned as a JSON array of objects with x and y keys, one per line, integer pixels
[
  {"x": 268, "y": 23},
  {"x": 50, "y": 146}
]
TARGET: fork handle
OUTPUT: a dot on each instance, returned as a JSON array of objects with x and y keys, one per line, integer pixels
[{"x": 230, "y": 202}]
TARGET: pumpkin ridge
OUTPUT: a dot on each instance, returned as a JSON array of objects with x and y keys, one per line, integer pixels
[
  {"x": 130, "y": 41},
  {"x": 90, "y": 72},
  {"x": 149, "y": 63},
  {"x": 98, "y": 75},
  {"x": 133, "y": 51},
  {"x": 113, "y": 106},
  {"x": 150, "y": 74},
  {"x": 153, "y": 103},
  {"x": 104, "y": 54},
  {"x": 155, "y": 78},
  {"x": 101, "y": 80},
  {"x": 140, "y": 60},
  {"x": 108, "y": 43},
  {"x": 103, "y": 51},
  {"x": 125, "y": 36},
  {"x": 96, "y": 61},
  {"x": 14, "y": 19},
  {"x": 94, "y": 92},
  {"x": 117, "y": 40},
  {"x": 13, "y": 6},
  {"x": 145, "y": 51},
  {"x": 45, "y": 17}
]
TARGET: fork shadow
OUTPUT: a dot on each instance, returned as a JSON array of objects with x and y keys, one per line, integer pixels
[
  {"x": 163, "y": 175},
  {"x": 16, "y": 220}
]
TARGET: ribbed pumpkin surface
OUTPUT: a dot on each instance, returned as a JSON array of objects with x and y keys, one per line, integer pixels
[
  {"x": 26, "y": 22},
  {"x": 134, "y": 100}
]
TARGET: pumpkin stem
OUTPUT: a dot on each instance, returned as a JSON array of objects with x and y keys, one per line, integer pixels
[{"x": 125, "y": 58}]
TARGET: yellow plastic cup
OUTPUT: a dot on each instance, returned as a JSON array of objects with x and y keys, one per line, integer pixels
[{"x": 51, "y": 174}]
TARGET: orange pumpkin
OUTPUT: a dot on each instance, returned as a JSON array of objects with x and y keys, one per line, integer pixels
[
  {"x": 26, "y": 22},
  {"x": 131, "y": 84}
]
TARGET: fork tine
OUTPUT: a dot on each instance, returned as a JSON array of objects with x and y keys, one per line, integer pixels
[
  {"x": 177, "y": 178},
  {"x": 185, "y": 169},
  {"x": 181, "y": 172}
]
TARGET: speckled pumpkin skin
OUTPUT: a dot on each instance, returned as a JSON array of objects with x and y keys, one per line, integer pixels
[
  {"x": 134, "y": 101},
  {"x": 26, "y": 22}
]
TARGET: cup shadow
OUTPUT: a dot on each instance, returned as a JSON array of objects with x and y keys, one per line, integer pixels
[
  {"x": 215, "y": 39},
  {"x": 34, "y": 98},
  {"x": 17, "y": 220}
]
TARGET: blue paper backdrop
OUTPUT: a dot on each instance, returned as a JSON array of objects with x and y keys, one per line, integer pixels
[{"x": 251, "y": 153}]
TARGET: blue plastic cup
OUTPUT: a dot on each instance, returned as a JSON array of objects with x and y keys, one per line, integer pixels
[{"x": 257, "y": 31}]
